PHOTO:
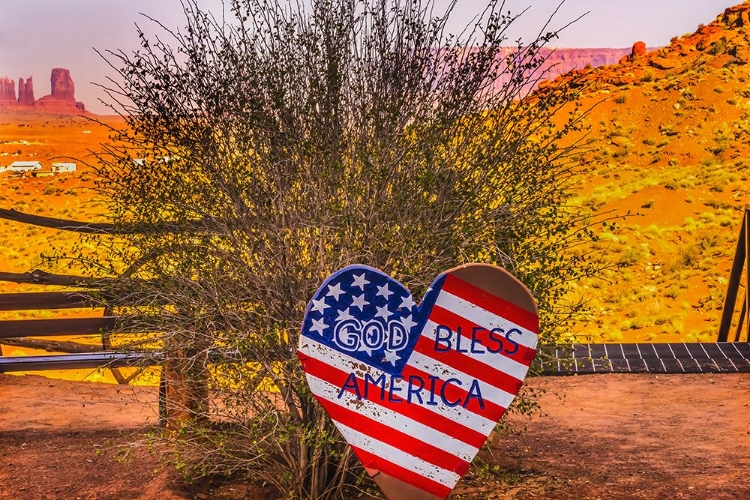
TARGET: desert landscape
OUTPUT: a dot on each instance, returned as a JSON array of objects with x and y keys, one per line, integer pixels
[{"x": 666, "y": 143}]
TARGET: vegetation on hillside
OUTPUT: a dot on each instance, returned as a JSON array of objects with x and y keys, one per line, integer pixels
[{"x": 668, "y": 145}]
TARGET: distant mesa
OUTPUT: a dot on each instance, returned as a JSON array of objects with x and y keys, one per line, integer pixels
[{"x": 61, "y": 99}]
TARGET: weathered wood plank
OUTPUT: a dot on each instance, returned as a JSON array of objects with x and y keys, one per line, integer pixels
[
  {"x": 51, "y": 222},
  {"x": 45, "y": 300},
  {"x": 38, "y": 277},
  {"x": 52, "y": 345},
  {"x": 54, "y": 327},
  {"x": 99, "y": 227},
  {"x": 73, "y": 361}
]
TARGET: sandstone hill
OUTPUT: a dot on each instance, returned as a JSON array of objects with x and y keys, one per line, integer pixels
[
  {"x": 669, "y": 134},
  {"x": 61, "y": 99}
]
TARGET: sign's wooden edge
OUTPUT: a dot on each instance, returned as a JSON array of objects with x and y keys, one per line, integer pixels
[
  {"x": 485, "y": 282},
  {"x": 394, "y": 488}
]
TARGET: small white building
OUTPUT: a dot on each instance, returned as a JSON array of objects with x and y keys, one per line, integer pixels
[
  {"x": 3, "y": 168},
  {"x": 24, "y": 166},
  {"x": 59, "y": 168}
]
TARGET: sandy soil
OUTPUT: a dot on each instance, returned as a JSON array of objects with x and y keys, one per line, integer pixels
[{"x": 612, "y": 436}]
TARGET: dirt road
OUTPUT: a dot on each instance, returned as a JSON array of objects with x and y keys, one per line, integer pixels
[{"x": 611, "y": 437}]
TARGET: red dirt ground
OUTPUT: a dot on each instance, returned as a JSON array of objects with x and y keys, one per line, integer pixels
[{"x": 612, "y": 436}]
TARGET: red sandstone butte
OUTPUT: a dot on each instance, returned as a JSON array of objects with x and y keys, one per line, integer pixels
[
  {"x": 62, "y": 97},
  {"x": 7, "y": 91},
  {"x": 26, "y": 91},
  {"x": 62, "y": 85}
]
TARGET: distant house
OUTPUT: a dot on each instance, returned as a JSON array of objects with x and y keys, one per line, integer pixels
[
  {"x": 59, "y": 168},
  {"x": 3, "y": 168},
  {"x": 24, "y": 166}
]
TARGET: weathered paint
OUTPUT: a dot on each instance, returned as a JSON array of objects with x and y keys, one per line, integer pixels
[{"x": 416, "y": 389}]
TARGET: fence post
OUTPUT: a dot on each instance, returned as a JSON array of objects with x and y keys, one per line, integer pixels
[
  {"x": 185, "y": 386},
  {"x": 746, "y": 243},
  {"x": 735, "y": 276}
]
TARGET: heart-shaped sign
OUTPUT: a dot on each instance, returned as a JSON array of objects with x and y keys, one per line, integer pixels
[{"x": 416, "y": 390}]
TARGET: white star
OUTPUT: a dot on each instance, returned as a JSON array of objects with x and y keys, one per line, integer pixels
[
  {"x": 318, "y": 326},
  {"x": 384, "y": 291},
  {"x": 408, "y": 323},
  {"x": 407, "y": 302},
  {"x": 360, "y": 281},
  {"x": 344, "y": 315},
  {"x": 359, "y": 302},
  {"x": 391, "y": 356},
  {"x": 383, "y": 312},
  {"x": 335, "y": 291},
  {"x": 320, "y": 305}
]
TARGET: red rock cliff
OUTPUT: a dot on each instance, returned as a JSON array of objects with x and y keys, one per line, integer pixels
[{"x": 561, "y": 61}]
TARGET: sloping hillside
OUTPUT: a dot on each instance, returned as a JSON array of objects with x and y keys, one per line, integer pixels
[{"x": 670, "y": 136}]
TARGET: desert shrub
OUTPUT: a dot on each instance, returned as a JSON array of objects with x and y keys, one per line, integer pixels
[
  {"x": 718, "y": 47},
  {"x": 301, "y": 141}
]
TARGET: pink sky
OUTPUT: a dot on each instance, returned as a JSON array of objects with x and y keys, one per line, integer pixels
[{"x": 37, "y": 35}]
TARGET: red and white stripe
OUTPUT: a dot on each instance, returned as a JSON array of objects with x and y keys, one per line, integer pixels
[{"x": 428, "y": 446}]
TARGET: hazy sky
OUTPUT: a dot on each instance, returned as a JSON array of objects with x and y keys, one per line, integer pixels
[{"x": 38, "y": 35}]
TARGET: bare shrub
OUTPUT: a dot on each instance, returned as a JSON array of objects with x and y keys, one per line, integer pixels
[{"x": 266, "y": 150}]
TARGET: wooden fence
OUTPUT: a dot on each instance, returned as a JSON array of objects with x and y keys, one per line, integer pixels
[
  {"x": 732, "y": 354},
  {"x": 84, "y": 296}
]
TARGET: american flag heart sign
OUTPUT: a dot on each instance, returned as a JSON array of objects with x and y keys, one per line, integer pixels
[{"x": 416, "y": 389}]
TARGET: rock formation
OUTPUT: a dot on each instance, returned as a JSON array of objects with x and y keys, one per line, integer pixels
[
  {"x": 638, "y": 50},
  {"x": 26, "y": 91},
  {"x": 60, "y": 100},
  {"x": 62, "y": 85},
  {"x": 62, "y": 95},
  {"x": 7, "y": 91}
]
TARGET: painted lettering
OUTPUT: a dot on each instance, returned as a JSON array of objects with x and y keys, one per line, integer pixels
[
  {"x": 375, "y": 389},
  {"x": 398, "y": 337},
  {"x": 458, "y": 341},
  {"x": 379, "y": 382},
  {"x": 496, "y": 335},
  {"x": 511, "y": 341},
  {"x": 352, "y": 336},
  {"x": 493, "y": 341},
  {"x": 443, "y": 333},
  {"x": 475, "y": 340},
  {"x": 394, "y": 388},
  {"x": 416, "y": 384},
  {"x": 373, "y": 334},
  {"x": 433, "y": 379},
  {"x": 444, "y": 397},
  {"x": 351, "y": 383},
  {"x": 474, "y": 393},
  {"x": 346, "y": 335}
]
